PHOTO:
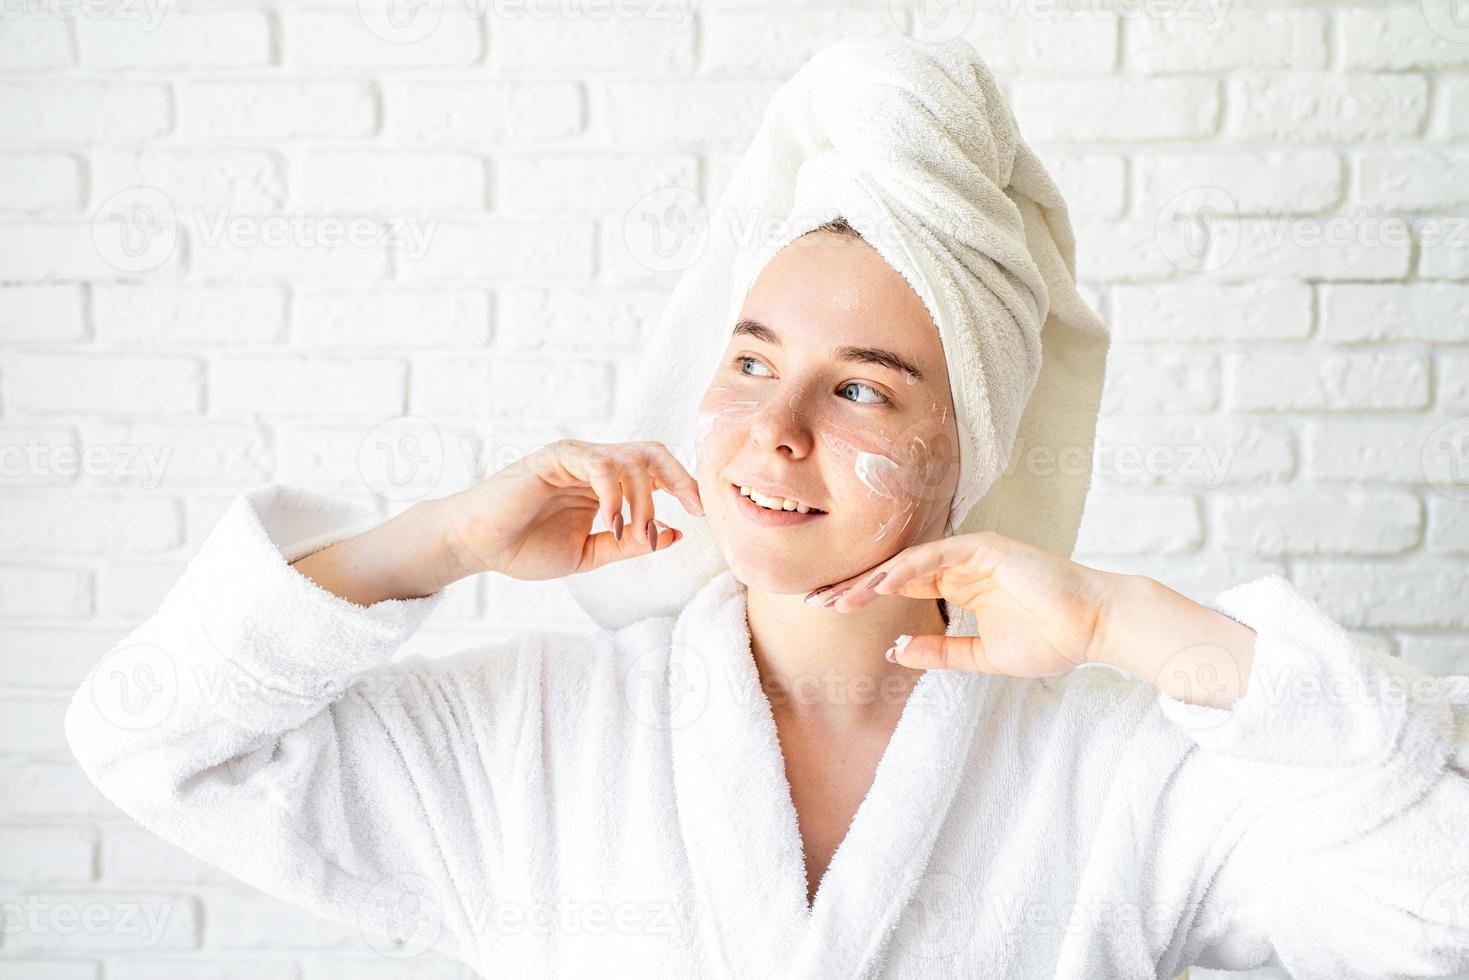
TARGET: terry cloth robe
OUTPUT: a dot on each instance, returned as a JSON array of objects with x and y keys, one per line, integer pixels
[{"x": 616, "y": 804}]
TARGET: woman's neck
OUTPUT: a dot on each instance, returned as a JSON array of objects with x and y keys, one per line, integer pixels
[{"x": 828, "y": 667}]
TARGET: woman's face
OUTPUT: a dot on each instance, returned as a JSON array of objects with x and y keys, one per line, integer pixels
[{"x": 832, "y": 392}]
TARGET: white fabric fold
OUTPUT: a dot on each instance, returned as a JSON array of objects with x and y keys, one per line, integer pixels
[{"x": 914, "y": 144}]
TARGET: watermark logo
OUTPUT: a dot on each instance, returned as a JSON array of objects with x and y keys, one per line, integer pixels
[
  {"x": 402, "y": 458},
  {"x": 136, "y": 230},
  {"x": 401, "y": 21},
  {"x": 136, "y": 687},
  {"x": 942, "y": 911},
  {"x": 1445, "y": 458},
  {"x": 933, "y": 20},
  {"x": 1449, "y": 19},
  {"x": 667, "y": 696},
  {"x": 1447, "y": 906},
  {"x": 1197, "y": 675},
  {"x": 666, "y": 230},
  {"x": 401, "y": 916},
  {"x": 1197, "y": 230}
]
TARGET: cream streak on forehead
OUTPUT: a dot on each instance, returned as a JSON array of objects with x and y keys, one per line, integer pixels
[{"x": 846, "y": 299}]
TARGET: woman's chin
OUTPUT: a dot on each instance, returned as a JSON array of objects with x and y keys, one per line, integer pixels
[{"x": 776, "y": 574}]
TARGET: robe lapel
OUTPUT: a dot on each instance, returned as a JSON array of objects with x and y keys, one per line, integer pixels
[
  {"x": 740, "y": 825},
  {"x": 734, "y": 803}
]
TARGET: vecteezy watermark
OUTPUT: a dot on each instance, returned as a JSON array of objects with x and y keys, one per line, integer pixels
[
  {"x": 1196, "y": 676},
  {"x": 148, "y": 13},
  {"x": 136, "y": 687},
  {"x": 35, "y": 459},
  {"x": 1445, "y": 458},
  {"x": 411, "y": 21},
  {"x": 137, "y": 230},
  {"x": 1201, "y": 229},
  {"x": 932, "y": 20},
  {"x": 1449, "y": 19},
  {"x": 1204, "y": 675},
  {"x": 666, "y": 230},
  {"x": 679, "y": 12},
  {"x": 940, "y": 919},
  {"x": 1446, "y": 908},
  {"x": 1210, "y": 13},
  {"x": 667, "y": 687},
  {"x": 1191, "y": 230},
  {"x": 402, "y": 458},
  {"x": 401, "y": 21},
  {"x": 402, "y": 915},
  {"x": 409, "y": 457},
  {"x": 1202, "y": 463},
  {"x": 570, "y": 915},
  {"x": 1013, "y": 916},
  {"x": 405, "y": 914},
  {"x": 411, "y": 235},
  {"x": 45, "y": 921}
]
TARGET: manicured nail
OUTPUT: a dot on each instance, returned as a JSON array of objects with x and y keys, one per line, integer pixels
[
  {"x": 617, "y": 526},
  {"x": 891, "y": 654},
  {"x": 814, "y": 596},
  {"x": 832, "y": 601},
  {"x": 872, "y": 582},
  {"x": 652, "y": 530},
  {"x": 901, "y": 643}
]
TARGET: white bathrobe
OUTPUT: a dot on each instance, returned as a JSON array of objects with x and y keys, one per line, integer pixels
[{"x": 616, "y": 805}]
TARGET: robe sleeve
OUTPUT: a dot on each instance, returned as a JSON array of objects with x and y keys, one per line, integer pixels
[
  {"x": 255, "y": 722},
  {"x": 1353, "y": 767}
]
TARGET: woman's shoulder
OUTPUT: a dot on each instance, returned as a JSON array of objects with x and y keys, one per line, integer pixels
[{"x": 565, "y": 664}]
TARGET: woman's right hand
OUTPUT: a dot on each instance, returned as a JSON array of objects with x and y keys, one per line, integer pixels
[{"x": 533, "y": 519}]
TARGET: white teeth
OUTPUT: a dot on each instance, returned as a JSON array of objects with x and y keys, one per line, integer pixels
[{"x": 774, "y": 503}]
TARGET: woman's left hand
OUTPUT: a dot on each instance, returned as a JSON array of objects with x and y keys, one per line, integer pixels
[{"x": 1037, "y": 614}]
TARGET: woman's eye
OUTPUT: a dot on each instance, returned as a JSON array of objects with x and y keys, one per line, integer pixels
[
  {"x": 744, "y": 359},
  {"x": 878, "y": 398}
]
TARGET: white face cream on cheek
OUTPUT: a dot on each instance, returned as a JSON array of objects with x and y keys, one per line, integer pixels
[
  {"x": 721, "y": 407},
  {"x": 905, "y": 473}
]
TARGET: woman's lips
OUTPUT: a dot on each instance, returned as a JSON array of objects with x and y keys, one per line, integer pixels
[{"x": 769, "y": 518}]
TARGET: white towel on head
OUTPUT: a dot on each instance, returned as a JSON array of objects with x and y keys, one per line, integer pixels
[{"x": 914, "y": 144}]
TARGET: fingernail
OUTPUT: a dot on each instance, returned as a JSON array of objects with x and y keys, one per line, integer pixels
[
  {"x": 872, "y": 582},
  {"x": 815, "y": 594},
  {"x": 833, "y": 599},
  {"x": 617, "y": 526},
  {"x": 901, "y": 643},
  {"x": 652, "y": 530},
  {"x": 891, "y": 654}
]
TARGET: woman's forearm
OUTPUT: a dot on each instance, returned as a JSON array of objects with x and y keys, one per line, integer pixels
[
  {"x": 1197, "y": 654},
  {"x": 405, "y": 557}
]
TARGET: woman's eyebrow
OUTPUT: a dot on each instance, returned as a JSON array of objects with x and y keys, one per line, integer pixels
[{"x": 860, "y": 355}]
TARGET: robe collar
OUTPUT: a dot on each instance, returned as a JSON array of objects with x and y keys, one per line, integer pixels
[{"x": 739, "y": 823}]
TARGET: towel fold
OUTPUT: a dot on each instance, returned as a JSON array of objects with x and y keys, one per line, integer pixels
[{"x": 914, "y": 145}]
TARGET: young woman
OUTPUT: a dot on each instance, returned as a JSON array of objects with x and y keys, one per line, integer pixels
[{"x": 868, "y": 746}]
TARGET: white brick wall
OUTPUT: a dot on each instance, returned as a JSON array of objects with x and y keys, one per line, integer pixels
[{"x": 354, "y": 218}]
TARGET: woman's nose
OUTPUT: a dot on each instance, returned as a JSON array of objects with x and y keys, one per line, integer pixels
[{"x": 783, "y": 424}]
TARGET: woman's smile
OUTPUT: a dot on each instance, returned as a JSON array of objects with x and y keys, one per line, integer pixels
[{"x": 768, "y": 516}]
